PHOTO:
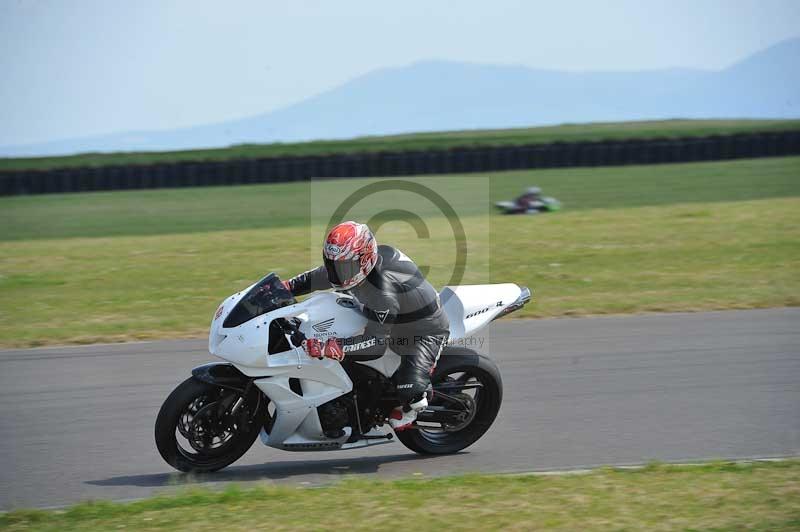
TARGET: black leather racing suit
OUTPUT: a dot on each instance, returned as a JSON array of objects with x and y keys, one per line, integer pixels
[{"x": 404, "y": 313}]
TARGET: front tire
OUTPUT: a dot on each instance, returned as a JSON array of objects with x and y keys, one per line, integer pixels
[
  {"x": 472, "y": 367},
  {"x": 190, "y": 434}
]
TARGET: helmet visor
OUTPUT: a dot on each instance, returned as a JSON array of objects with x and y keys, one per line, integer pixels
[{"x": 342, "y": 272}]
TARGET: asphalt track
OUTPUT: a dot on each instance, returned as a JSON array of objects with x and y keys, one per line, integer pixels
[{"x": 77, "y": 423}]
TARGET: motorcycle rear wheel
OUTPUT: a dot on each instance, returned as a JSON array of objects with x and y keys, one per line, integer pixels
[
  {"x": 470, "y": 367},
  {"x": 192, "y": 437}
]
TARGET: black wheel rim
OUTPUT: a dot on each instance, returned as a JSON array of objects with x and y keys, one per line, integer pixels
[
  {"x": 458, "y": 390},
  {"x": 206, "y": 430}
]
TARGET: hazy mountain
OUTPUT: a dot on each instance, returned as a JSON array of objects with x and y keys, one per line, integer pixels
[{"x": 443, "y": 95}]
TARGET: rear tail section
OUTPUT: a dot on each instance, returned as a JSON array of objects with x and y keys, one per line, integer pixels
[{"x": 471, "y": 307}]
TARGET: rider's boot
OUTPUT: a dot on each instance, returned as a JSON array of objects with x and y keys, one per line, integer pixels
[{"x": 403, "y": 417}]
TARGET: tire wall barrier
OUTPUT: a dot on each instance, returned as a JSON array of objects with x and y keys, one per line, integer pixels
[{"x": 455, "y": 160}]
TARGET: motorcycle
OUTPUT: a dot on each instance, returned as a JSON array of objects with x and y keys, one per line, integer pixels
[
  {"x": 542, "y": 205},
  {"x": 270, "y": 388}
]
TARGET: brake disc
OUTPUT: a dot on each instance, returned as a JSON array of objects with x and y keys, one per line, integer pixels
[
  {"x": 205, "y": 426},
  {"x": 187, "y": 417}
]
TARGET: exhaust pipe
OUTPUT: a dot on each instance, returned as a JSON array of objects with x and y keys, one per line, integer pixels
[{"x": 524, "y": 297}]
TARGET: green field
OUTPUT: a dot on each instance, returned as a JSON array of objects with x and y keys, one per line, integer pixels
[
  {"x": 200, "y": 210},
  {"x": 723, "y": 496},
  {"x": 419, "y": 141},
  {"x": 155, "y": 264}
]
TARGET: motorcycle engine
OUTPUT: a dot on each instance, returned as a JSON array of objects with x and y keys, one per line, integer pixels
[{"x": 334, "y": 416}]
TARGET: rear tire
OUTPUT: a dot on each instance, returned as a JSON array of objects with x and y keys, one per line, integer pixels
[
  {"x": 488, "y": 405},
  {"x": 173, "y": 412}
]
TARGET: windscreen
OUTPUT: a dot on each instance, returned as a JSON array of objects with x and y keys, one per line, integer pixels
[{"x": 267, "y": 295}]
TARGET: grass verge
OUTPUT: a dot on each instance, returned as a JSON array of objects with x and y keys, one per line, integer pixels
[
  {"x": 682, "y": 257},
  {"x": 719, "y": 496},
  {"x": 417, "y": 141},
  {"x": 81, "y": 268}
]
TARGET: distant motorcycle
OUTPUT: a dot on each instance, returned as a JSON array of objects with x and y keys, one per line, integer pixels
[
  {"x": 541, "y": 205},
  {"x": 272, "y": 388}
]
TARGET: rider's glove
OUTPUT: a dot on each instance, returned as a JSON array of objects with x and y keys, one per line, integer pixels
[
  {"x": 333, "y": 350},
  {"x": 287, "y": 285},
  {"x": 313, "y": 347}
]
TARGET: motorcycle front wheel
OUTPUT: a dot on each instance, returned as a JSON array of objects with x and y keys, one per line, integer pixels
[{"x": 202, "y": 428}]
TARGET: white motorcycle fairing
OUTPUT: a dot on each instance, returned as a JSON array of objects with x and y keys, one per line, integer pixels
[{"x": 296, "y": 424}]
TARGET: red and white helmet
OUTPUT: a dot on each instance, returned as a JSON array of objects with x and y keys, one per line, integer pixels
[{"x": 350, "y": 252}]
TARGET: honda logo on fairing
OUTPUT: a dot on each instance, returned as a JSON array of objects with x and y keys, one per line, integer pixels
[{"x": 323, "y": 326}]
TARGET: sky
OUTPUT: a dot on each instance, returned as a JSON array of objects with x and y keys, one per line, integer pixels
[{"x": 78, "y": 68}]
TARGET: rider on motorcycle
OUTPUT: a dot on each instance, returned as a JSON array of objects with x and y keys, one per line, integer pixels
[
  {"x": 402, "y": 308},
  {"x": 530, "y": 199}
]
